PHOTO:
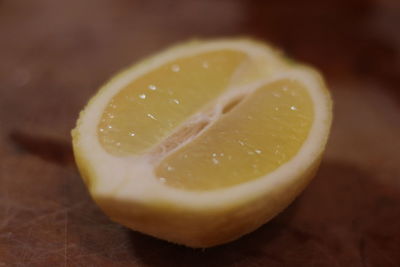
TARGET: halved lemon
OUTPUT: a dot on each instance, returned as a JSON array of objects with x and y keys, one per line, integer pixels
[{"x": 204, "y": 142}]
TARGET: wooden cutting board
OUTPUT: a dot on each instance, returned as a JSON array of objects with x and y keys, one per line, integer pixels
[{"x": 55, "y": 54}]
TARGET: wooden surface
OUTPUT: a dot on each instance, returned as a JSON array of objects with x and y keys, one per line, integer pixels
[{"x": 53, "y": 56}]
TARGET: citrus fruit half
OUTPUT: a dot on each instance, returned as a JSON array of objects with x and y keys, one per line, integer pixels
[{"x": 203, "y": 142}]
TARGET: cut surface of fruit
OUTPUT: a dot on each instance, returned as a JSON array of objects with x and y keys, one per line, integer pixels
[
  {"x": 148, "y": 109},
  {"x": 204, "y": 142},
  {"x": 262, "y": 132}
]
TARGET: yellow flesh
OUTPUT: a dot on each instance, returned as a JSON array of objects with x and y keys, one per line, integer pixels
[
  {"x": 263, "y": 131},
  {"x": 147, "y": 110},
  {"x": 258, "y": 135}
]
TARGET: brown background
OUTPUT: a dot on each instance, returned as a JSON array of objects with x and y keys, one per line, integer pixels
[{"x": 54, "y": 54}]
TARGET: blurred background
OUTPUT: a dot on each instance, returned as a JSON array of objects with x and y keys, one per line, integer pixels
[{"x": 54, "y": 55}]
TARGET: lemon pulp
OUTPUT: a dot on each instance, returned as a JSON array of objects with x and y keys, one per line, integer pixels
[
  {"x": 253, "y": 136},
  {"x": 258, "y": 135},
  {"x": 149, "y": 108}
]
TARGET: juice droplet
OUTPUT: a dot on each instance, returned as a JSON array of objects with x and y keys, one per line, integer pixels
[
  {"x": 175, "y": 68},
  {"x": 151, "y": 116}
]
